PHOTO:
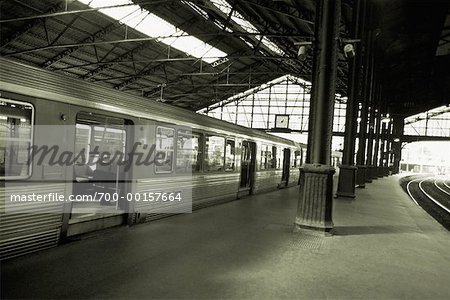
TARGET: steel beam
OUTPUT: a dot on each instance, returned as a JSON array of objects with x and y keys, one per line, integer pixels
[
  {"x": 89, "y": 41},
  {"x": 28, "y": 27},
  {"x": 55, "y": 13},
  {"x": 290, "y": 13}
]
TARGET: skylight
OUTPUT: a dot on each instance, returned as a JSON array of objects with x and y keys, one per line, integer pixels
[
  {"x": 153, "y": 26},
  {"x": 225, "y": 7},
  {"x": 205, "y": 15},
  {"x": 268, "y": 84}
]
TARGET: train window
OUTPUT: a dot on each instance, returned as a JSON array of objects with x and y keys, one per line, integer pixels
[
  {"x": 188, "y": 152},
  {"x": 292, "y": 158},
  {"x": 16, "y": 134},
  {"x": 297, "y": 159},
  {"x": 214, "y": 153},
  {"x": 266, "y": 157},
  {"x": 102, "y": 139},
  {"x": 280, "y": 158},
  {"x": 109, "y": 139},
  {"x": 230, "y": 156},
  {"x": 95, "y": 135},
  {"x": 263, "y": 157},
  {"x": 304, "y": 156},
  {"x": 274, "y": 162},
  {"x": 164, "y": 150},
  {"x": 83, "y": 141}
]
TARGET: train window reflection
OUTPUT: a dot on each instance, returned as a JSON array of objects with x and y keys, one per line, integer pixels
[
  {"x": 109, "y": 139},
  {"x": 214, "y": 153},
  {"x": 164, "y": 150},
  {"x": 16, "y": 132},
  {"x": 230, "y": 156},
  {"x": 297, "y": 159},
  {"x": 188, "y": 152},
  {"x": 83, "y": 141},
  {"x": 103, "y": 140},
  {"x": 266, "y": 157},
  {"x": 275, "y": 163}
]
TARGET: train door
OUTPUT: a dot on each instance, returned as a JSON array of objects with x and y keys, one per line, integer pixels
[
  {"x": 286, "y": 166},
  {"x": 100, "y": 173},
  {"x": 248, "y": 164}
]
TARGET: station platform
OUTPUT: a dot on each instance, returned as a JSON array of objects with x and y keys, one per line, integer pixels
[{"x": 383, "y": 246}]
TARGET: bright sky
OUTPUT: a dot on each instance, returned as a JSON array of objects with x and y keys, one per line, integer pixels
[
  {"x": 153, "y": 26},
  {"x": 225, "y": 7}
]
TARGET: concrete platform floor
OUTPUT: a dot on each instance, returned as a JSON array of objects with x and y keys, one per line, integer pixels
[{"x": 384, "y": 247}]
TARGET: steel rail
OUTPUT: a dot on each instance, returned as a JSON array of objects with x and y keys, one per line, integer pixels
[
  {"x": 441, "y": 189},
  {"x": 431, "y": 198}
]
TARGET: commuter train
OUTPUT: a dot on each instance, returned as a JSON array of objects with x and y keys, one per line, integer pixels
[{"x": 222, "y": 161}]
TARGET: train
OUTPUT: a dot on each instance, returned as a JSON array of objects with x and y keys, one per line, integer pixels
[{"x": 222, "y": 162}]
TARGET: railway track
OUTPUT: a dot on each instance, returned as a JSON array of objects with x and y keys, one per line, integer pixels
[
  {"x": 432, "y": 194},
  {"x": 443, "y": 186}
]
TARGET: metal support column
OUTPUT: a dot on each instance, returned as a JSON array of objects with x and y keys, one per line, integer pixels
[
  {"x": 316, "y": 178},
  {"x": 376, "y": 149},
  {"x": 370, "y": 137},
  {"x": 382, "y": 149},
  {"x": 347, "y": 171},
  {"x": 362, "y": 136},
  {"x": 388, "y": 148},
  {"x": 397, "y": 135}
]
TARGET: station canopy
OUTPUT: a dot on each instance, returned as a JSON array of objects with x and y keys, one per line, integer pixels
[
  {"x": 193, "y": 54},
  {"x": 434, "y": 122}
]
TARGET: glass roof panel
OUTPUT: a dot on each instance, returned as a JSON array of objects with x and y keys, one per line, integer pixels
[
  {"x": 153, "y": 26},
  {"x": 226, "y": 8}
]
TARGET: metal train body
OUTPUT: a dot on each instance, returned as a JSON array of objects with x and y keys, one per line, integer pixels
[{"x": 54, "y": 99}]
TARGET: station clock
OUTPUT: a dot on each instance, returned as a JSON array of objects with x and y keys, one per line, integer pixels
[{"x": 282, "y": 121}]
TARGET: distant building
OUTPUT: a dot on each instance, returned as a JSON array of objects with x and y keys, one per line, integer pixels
[{"x": 426, "y": 157}]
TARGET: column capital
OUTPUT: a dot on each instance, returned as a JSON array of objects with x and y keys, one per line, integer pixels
[
  {"x": 317, "y": 168},
  {"x": 349, "y": 167}
]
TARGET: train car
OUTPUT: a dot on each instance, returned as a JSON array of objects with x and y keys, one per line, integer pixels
[
  {"x": 223, "y": 162},
  {"x": 226, "y": 163}
]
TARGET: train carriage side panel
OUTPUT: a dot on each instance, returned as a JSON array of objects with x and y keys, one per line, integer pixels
[
  {"x": 30, "y": 226},
  {"x": 58, "y": 99}
]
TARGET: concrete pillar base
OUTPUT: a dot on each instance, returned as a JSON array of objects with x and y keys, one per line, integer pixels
[
  {"x": 347, "y": 181},
  {"x": 361, "y": 174},
  {"x": 314, "y": 212},
  {"x": 311, "y": 231}
]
